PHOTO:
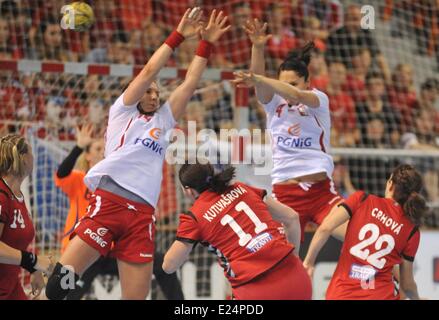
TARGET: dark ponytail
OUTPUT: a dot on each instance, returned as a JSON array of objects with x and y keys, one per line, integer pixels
[
  {"x": 202, "y": 177},
  {"x": 298, "y": 61},
  {"x": 407, "y": 187}
]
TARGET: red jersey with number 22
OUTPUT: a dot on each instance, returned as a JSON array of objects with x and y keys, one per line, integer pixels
[
  {"x": 239, "y": 229},
  {"x": 379, "y": 236}
]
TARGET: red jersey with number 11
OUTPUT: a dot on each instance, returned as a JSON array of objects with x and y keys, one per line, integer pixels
[
  {"x": 239, "y": 229},
  {"x": 378, "y": 237}
]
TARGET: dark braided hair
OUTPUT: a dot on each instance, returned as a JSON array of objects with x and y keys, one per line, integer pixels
[
  {"x": 202, "y": 177},
  {"x": 408, "y": 185},
  {"x": 298, "y": 61}
]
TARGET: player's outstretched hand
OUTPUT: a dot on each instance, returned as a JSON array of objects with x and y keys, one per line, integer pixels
[
  {"x": 37, "y": 284},
  {"x": 215, "y": 28},
  {"x": 244, "y": 79},
  {"x": 84, "y": 135},
  {"x": 191, "y": 23},
  {"x": 257, "y": 32}
]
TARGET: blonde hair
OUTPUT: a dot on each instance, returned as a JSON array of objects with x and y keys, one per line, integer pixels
[{"x": 13, "y": 147}]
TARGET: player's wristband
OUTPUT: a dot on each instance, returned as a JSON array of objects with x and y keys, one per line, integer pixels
[
  {"x": 28, "y": 261},
  {"x": 204, "y": 49},
  {"x": 174, "y": 39}
]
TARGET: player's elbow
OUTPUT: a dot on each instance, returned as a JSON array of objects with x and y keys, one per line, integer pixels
[{"x": 169, "y": 266}]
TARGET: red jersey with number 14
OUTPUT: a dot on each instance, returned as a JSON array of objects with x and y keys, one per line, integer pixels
[
  {"x": 378, "y": 237},
  {"x": 18, "y": 233},
  {"x": 239, "y": 229}
]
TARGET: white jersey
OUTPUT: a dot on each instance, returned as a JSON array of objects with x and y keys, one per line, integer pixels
[
  {"x": 135, "y": 149},
  {"x": 299, "y": 137}
]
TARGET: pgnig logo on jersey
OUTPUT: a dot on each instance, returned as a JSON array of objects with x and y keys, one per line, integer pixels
[
  {"x": 97, "y": 236},
  {"x": 150, "y": 144},
  {"x": 155, "y": 133},
  {"x": 294, "y": 142}
]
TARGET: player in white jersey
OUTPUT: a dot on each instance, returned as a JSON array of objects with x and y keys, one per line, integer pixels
[
  {"x": 126, "y": 184},
  {"x": 298, "y": 118}
]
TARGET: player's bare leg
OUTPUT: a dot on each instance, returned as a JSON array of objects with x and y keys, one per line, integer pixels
[
  {"x": 135, "y": 279},
  {"x": 79, "y": 255}
]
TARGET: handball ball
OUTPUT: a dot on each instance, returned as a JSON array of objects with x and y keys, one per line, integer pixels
[{"x": 78, "y": 16}]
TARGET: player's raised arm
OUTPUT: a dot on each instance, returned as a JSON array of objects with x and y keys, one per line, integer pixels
[
  {"x": 187, "y": 27},
  {"x": 214, "y": 30},
  {"x": 285, "y": 90},
  {"x": 289, "y": 218},
  {"x": 258, "y": 36},
  {"x": 339, "y": 216}
]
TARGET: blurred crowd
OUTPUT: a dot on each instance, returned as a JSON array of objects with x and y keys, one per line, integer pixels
[{"x": 372, "y": 105}]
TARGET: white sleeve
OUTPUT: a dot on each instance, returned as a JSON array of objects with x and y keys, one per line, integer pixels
[
  {"x": 166, "y": 116},
  {"x": 275, "y": 102},
  {"x": 120, "y": 109},
  {"x": 323, "y": 107}
]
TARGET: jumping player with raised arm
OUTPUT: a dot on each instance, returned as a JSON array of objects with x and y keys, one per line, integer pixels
[
  {"x": 382, "y": 233},
  {"x": 126, "y": 184},
  {"x": 299, "y": 120},
  {"x": 241, "y": 226}
]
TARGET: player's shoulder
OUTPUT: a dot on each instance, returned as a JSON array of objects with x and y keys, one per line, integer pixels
[{"x": 5, "y": 193}]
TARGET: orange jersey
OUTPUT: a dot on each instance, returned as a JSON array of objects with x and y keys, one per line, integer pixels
[{"x": 74, "y": 187}]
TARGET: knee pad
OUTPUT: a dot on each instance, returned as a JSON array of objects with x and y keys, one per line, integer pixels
[{"x": 60, "y": 282}]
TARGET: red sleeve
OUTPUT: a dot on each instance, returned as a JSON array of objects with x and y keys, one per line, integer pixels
[
  {"x": 260, "y": 192},
  {"x": 411, "y": 248},
  {"x": 4, "y": 208},
  {"x": 188, "y": 230},
  {"x": 352, "y": 203}
]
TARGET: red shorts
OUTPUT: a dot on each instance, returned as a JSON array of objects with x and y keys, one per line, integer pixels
[
  {"x": 288, "y": 280},
  {"x": 17, "y": 293},
  {"x": 313, "y": 204},
  {"x": 122, "y": 228}
]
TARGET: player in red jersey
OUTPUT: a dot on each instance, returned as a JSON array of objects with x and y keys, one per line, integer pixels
[
  {"x": 382, "y": 233},
  {"x": 16, "y": 228},
  {"x": 236, "y": 223}
]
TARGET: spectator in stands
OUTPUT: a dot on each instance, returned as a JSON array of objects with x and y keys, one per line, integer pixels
[
  {"x": 370, "y": 172},
  {"x": 107, "y": 23},
  {"x": 282, "y": 38},
  {"x": 146, "y": 40},
  {"x": 318, "y": 70},
  {"x": 118, "y": 51},
  {"x": 352, "y": 36},
  {"x": 376, "y": 103},
  {"x": 328, "y": 12},
  {"x": 423, "y": 138},
  {"x": 48, "y": 43},
  {"x": 356, "y": 78},
  {"x": 312, "y": 31},
  {"x": 5, "y": 41},
  {"x": 428, "y": 100},
  {"x": 402, "y": 94},
  {"x": 344, "y": 130},
  {"x": 18, "y": 17},
  {"x": 234, "y": 47}
]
